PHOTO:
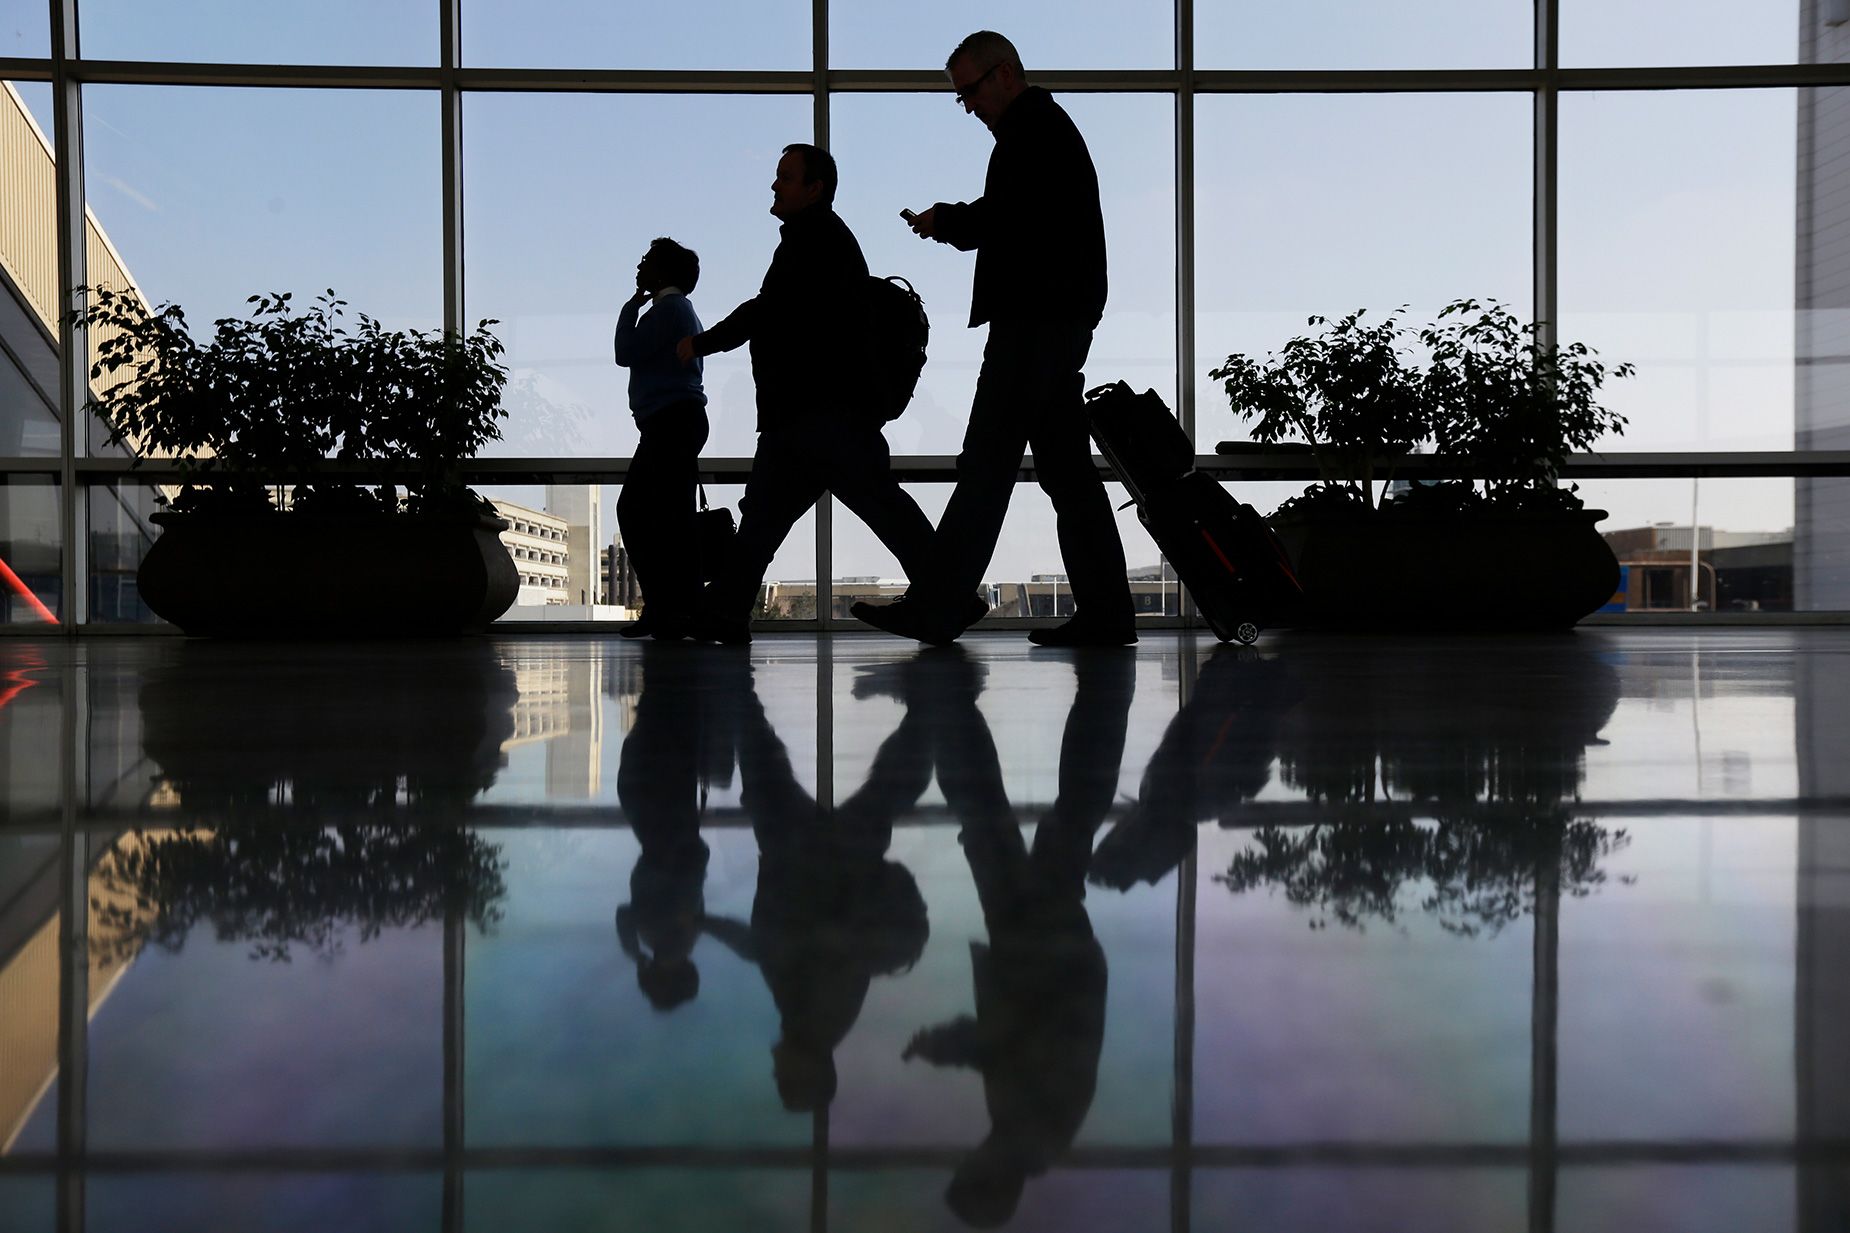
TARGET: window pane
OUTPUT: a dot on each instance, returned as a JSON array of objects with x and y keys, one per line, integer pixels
[
  {"x": 1677, "y": 996},
  {"x": 1358, "y": 34},
  {"x": 210, "y": 1038},
  {"x": 213, "y": 195},
  {"x": 1371, "y": 1200},
  {"x": 1747, "y": 550},
  {"x": 236, "y": 32},
  {"x": 1076, "y": 1199},
  {"x": 696, "y": 1073},
  {"x": 1706, "y": 1198},
  {"x": 120, "y": 536},
  {"x": 29, "y": 742},
  {"x": 1049, "y": 34},
  {"x": 700, "y": 34},
  {"x": 30, "y": 558},
  {"x": 912, "y": 150},
  {"x": 29, "y": 866},
  {"x": 28, "y": 292},
  {"x": 1302, "y": 209},
  {"x": 263, "y": 1202},
  {"x": 1317, "y": 1067},
  {"x": 1653, "y": 32},
  {"x": 611, "y": 1200},
  {"x": 25, "y": 28},
  {"x": 553, "y": 239},
  {"x": 1646, "y": 182},
  {"x": 28, "y": 1204}
]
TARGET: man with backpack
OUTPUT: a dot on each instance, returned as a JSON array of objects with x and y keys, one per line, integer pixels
[
  {"x": 1039, "y": 236},
  {"x": 818, "y": 422}
]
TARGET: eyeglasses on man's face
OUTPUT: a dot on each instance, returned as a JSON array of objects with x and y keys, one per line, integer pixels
[{"x": 962, "y": 93}]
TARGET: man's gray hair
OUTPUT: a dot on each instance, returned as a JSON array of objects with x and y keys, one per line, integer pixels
[{"x": 985, "y": 50}]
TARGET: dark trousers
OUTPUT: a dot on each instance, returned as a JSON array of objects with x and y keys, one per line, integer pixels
[
  {"x": 793, "y": 466},
  {"x": 655, "y": 510},
  {"x": 1030, "y": 396}
]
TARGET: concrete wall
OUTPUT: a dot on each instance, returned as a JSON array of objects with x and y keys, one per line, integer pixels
[{"x": 1821, "y": 541}]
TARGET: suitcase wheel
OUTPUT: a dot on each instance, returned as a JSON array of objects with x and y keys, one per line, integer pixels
[{"x": 1246, "y": 633}]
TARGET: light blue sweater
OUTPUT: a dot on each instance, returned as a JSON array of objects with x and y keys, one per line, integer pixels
[{"x": 646, "y": 348}]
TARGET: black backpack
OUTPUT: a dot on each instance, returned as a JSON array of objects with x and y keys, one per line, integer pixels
[{"x": 896, "y": 330}]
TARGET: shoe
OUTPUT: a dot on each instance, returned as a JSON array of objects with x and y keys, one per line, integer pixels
[
  {"x": 641, "y": 627},
  {"x": 1080, "y": 632},
  {"x": 904, "y": 618},
  {"x": 712, "y": 629}
]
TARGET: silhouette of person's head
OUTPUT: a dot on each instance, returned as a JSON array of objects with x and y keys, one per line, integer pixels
[
  {"x": 805, "y": 1073},
  {"x": 806, "y": 176},
  {"x": 660, "y": 924},
  {"x": 668, "y": 264}
]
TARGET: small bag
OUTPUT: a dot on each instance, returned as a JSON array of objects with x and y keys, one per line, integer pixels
[{"x": 713, "y": 531}]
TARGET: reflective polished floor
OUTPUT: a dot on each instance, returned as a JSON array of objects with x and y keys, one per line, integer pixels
[{"x": 1323, "y": 934}]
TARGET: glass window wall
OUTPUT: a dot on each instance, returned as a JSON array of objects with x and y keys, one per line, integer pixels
[{"x": 1670, "y": 207}]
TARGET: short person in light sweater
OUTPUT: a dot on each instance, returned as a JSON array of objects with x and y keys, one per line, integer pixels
[{"x": 655, "y": 511}]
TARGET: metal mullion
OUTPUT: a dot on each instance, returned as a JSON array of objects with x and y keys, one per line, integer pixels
[
  {"x": 1362, "y": 81},
  {"x": 1185, "y": 217},
  {"x": 73, "y": 964},
  {"x": 825, "y": 506},
  {"x": 1546, "y": 182},
  {"x": 1122, "y": 81},
  {"x": 24, "y": 68},
  {"x": 450, "y": 55},
  {"x": 1185, "y": 247},
  {"x": 1717, "y": 77},
  {"x": 1182, "y": 1099},
  {"x": 73, "y": 272},
  {"x": 1073, "y": 81},
  {"x": 323, "y": 76},
  {"x": 635, "y": 81}
]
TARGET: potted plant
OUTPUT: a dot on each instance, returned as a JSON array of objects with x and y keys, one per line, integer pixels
[
  {"x": 1507, "y": 547},
  {"x": 262, "y": 536}
]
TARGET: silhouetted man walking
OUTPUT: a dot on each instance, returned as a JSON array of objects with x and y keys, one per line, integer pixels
[
  {"x": 1039, "y": 236},
  {"x": 815, "y": 433}
]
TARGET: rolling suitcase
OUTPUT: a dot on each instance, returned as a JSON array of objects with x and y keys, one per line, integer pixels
[{"x": 1231, "y": 561}]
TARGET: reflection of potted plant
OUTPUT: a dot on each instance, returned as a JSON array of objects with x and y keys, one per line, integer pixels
[
  {"x": 1507, "y": 547},
  {"x": 1440, "y": 790},
  {"x": 266, "y": 402},
  {"x": 278, "y": 886}
]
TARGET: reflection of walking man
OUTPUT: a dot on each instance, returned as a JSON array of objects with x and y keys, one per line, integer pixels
[
  {"x": 831, "y": 911},
  {"x": 1039, "y": 236},
  {"x": 815, "y": 431},
  {"x": 1040, "y": 979}
]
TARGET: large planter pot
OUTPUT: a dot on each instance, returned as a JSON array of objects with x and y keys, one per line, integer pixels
[
  {"x": 278, "y": 575},
  {"x": 1485, "y": 570}
]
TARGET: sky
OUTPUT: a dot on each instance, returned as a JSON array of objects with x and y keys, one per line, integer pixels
[{"x": 1676, "y": 208}]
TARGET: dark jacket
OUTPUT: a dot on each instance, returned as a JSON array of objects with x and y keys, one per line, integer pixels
[
  {"x": 1038, "y": 232},
  {"x": 796, "y": 321}
]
